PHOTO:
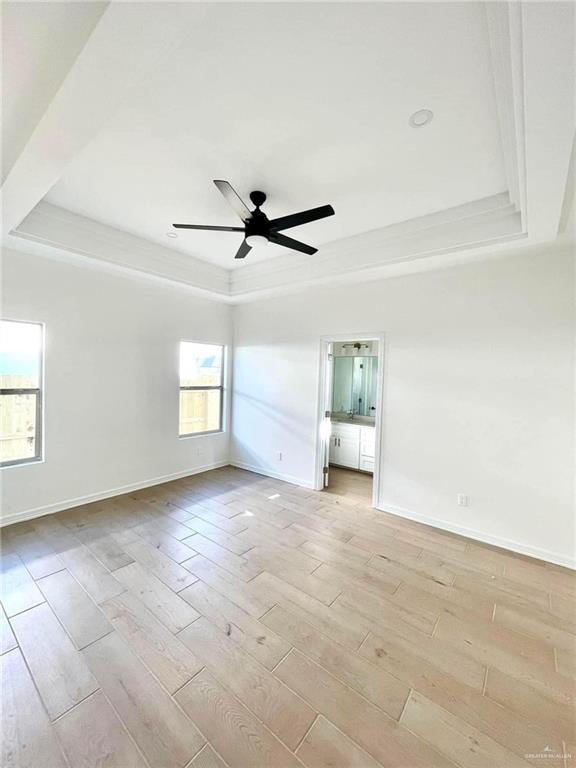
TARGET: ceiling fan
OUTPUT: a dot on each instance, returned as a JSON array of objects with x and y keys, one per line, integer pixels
[{"x": 258, "y": 228}]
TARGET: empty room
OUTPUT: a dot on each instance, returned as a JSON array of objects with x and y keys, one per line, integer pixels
[{"x": 287, "y": 385}]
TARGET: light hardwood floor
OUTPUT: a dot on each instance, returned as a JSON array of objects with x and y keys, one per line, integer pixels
[
  {"x": 229, "y": 619},
  {"x": 354, "y": 486}
]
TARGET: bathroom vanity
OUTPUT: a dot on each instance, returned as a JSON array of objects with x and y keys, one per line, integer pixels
[
  {"x": 355, "y": 374},
  {"x": 352, "y": 444}
]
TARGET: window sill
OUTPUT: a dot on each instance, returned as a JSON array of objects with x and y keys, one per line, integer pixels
[
  {"x": 202, "y": 434},
  {"x": 21, "y": 463}
]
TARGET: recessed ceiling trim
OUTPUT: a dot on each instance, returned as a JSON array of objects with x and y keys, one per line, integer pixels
[
  {"x": 549, "y": 111},
  {"x": 424, "y": 262},
  {"x": 504, "y": 25},
  {"x": 57, "y": 227},
  {"x": 375, "y": 249},
  {"x": 488, "y": 220},
  {"x": 533, "y": 57},
  {"x": 484, "y": 209}
]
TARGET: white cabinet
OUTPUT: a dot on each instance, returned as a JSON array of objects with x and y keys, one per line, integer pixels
[
  {"x": 367, "y": 442},
  {"x": 345, "y": 451},
  {"x": 352, "y": 445},
  {"x": 367, "y": 449},
  {"x": 367, "y": 465}
]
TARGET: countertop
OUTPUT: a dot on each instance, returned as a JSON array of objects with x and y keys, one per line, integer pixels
[{"x": 361, "y": 421}]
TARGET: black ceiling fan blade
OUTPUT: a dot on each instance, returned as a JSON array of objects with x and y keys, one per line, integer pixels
[
  {"x": 208, "y": 226},
  {"x": 243, "y": 251},
  {"x": 304, "y": 217},
  {"x": 234, "y": 199},
  {"x": 288, "y": 242}
]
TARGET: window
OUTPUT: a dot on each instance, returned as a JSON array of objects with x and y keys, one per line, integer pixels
[
  {"x": 201, "y": 388},
  {"x": 20, "y": 392}
]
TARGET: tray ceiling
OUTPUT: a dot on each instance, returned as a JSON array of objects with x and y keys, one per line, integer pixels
[{"x": 309, "y": 102}]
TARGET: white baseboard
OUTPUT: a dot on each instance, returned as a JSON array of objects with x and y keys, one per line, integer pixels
[
  {"x": 471, "y": 533},
  {"x": 258, "y": 470},
  {"x": 30, "y": 514}
]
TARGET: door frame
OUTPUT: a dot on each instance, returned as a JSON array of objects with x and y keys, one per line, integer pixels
[{"x": 323, "y": 439}]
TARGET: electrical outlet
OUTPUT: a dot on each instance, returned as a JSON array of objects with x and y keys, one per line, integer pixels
[
  {"x": 463, "y": 500},
  {"x": 279, "y": 455}
]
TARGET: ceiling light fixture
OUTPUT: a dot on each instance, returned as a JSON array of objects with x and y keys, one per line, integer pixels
[
  {"x": 256, "y": 241},
  {"x": 171, "y": 234},
  {"x": 421, "y": 117}
]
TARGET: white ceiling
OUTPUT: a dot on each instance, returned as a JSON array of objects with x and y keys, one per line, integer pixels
[
  {"x": 40, "y": 42},
  {"x": 117, "y": 116},
  {"x": 309, "y": 103}
]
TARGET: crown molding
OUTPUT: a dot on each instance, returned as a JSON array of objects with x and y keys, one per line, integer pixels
[
  {"x": 484, "y": 221},
  {"x": 504, "y": 25},
  {"x": 410, "y": 227},
  {"x": 548, "y": 54},
  {"x": 63, "y": 231},
  {"x": 61, "y": 234}
]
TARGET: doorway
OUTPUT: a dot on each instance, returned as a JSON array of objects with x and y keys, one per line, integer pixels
[{"x": 349, "y": 417}]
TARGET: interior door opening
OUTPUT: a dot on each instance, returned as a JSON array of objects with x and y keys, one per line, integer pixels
[{"x": 350, "y": 419}]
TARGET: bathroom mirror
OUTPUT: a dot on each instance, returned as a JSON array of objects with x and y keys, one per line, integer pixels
[{"x": 354, "y": 386}]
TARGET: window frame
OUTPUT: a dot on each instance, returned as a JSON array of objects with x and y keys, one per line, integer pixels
[
  {"x": 206, "y": 388},
  {"x": 39, "y": 392}
]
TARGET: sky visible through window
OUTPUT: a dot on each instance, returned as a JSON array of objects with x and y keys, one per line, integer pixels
[
  {"x": 20, "y": 346},
  {"x": 200, "y": 364},
  {"x": 20, "y": 374}
]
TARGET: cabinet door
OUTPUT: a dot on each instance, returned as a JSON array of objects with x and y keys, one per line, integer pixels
[
  {"x": 334, "y": 453},
  {"x": 348, "y": 452}
]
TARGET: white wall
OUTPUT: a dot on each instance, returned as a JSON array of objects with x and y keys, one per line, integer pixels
[
  {"x": 479, "y": 395},
  {"x": 111, "y": 381}
]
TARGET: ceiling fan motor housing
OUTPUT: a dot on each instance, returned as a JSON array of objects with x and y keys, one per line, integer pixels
[
  {"x": 259, "y": 224},
  {"x": 258, "y": 198}
]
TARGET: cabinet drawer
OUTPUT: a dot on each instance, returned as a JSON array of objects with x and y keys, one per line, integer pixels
[
  {"x": 366, "y": 464},
  {"x": 345, "y": 430},
  {"x": 367, "y": 449}
]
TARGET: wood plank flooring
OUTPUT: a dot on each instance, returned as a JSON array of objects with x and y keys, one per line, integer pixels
[
  {"x": 229, "y": 619},
  {"x": 354, "y": 486}
]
